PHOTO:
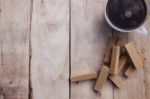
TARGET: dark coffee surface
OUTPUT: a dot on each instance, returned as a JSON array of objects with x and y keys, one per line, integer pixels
[{"x": 126, "y": 14}]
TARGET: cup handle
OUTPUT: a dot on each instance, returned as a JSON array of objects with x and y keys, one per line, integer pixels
[{"x": 142, "y": 31}]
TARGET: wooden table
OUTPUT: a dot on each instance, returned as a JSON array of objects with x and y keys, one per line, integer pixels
[{"x": 44, "y": 42}]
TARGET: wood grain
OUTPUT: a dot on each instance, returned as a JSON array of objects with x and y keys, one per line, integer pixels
[
  {"x": 143, "y": 45},
  {"x": 50, "y": 49},
  {"x": 14, "y": 48},
  {"x": 134, "y": 88},
  {"x": 1, "y": 96},
  {"x": 89, "y": 36}
]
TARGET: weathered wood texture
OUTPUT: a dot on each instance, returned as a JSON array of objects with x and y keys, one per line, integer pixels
[
  {"x": 137, "y": 87},
  {"x": 143, "y": 45},
  {"x": 50, "y": 49},
  {"x": 14, "y": 48},
  {"x": 89, "y": 38}
]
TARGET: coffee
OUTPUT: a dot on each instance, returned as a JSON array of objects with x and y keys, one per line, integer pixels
[{"x": 126, "y": 14}]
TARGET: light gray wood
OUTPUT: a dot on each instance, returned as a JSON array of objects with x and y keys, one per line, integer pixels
[
  {"x": 143, "y": 45},
  {"x": 89, "y": 37},
  {"x": 50, "y": 49},
  {"x": 135, "y": 87},
  {"x": 14, "y": 48}
]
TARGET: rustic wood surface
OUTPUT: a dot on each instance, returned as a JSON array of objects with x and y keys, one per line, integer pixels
[
  {"x": 143, "y": 45},
  {"x": 45, "y": 42},
  {"x": 50, "y": 49},
  {"x": 14, "y": 48},
  {"x": 89, "y": 36}
]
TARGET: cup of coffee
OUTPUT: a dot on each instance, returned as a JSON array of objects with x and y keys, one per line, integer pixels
[{"x": 127, "y": 15}]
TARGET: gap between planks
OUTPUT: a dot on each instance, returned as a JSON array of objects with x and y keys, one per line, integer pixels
[
  {"x": 69, "y": 48},
  {"x": 30, "y": 50}
]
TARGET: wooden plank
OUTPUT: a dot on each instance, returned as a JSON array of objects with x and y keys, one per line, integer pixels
[
  {"x": 14, "y": 48},
  {"x": 114, "y": 60},
  {"x": 85, "y": 76},
  {"x": 134, "y": 55},
  {"x": 89, "y": 36},
  {"x": 50, "y": 49},
  {"x": 102, "y": 78},
  {"x": 117, "y": 80},
  {"x": 112, "y": 42},
  {"x": 131, "y": 69},
  {"x": 1, "y": 96},
  {"x": 134, "y": 88},
  {"x": 143, "y": 45}
]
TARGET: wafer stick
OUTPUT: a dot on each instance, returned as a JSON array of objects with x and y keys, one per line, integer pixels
[
  {"x": 137, "y": 62},
  {"x": 85, "y": 76},
  {"x": 111, "y": 43},
  {"x": 115, "y": 60},
  {"x": 117, "y": 80},
  {"x": 102, "y": 78},
  {"x": 121, "y": 42},
  {"x": 131, "y": 69},
  {"x": 122, "y": 61}
]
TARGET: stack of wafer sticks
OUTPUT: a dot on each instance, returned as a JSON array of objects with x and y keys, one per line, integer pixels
[{"x": 121, "y": 61}]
